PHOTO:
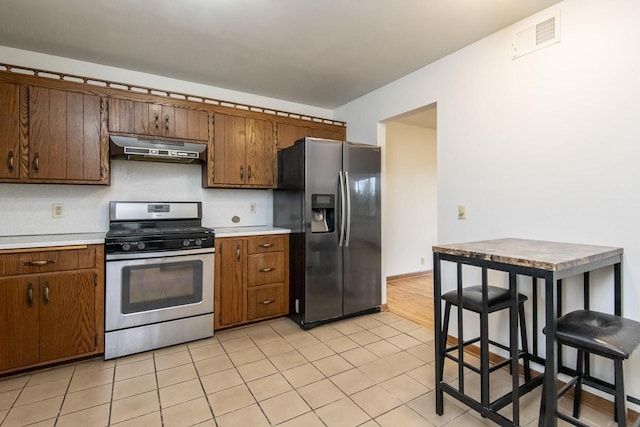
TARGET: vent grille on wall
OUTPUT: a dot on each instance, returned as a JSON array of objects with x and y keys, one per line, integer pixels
[{"x": 536, "y": 36}]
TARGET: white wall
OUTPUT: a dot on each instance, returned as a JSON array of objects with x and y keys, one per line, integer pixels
[
  {"x": 544, "y": 147},
  {"x": 410, "y": 219},
  {"x": 26, "y": 208}
]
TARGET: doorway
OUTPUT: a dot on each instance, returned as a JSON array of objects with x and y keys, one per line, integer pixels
[{"x": 409, "y": 220}]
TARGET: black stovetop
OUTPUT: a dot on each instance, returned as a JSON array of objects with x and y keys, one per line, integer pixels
[{"x": 154, "y": 236}]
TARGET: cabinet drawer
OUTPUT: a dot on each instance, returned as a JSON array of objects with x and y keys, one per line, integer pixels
[
  {"x": 42, "y": 261},
  {"x": 269, "y": 243},
  {"x": 265, "y": 268},
  {"x": 265, "y": 301}
]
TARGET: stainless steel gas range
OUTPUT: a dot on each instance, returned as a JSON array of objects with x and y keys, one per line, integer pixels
[{"x": 159, "y": 276}]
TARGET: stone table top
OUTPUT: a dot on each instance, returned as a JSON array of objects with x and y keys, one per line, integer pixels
[{"x": 544, "y": 255}]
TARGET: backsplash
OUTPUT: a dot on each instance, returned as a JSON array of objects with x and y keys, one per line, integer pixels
[{"x": 26, "y": 208}]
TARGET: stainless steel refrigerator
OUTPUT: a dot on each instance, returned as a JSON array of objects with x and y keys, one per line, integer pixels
[{"x": 329, "y": 196}]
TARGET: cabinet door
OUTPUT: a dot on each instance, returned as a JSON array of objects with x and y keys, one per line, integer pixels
[
  {"x": 19, "y": 320},
  {"x": 229, "y": 150},
  {"x": 129, "y": 117},
  {"x": 230, "y": 286},
  {"x": 265, "y": 268},
  {"x": 288, "y": 134},
  {"x": 335, "y": 132},
  {"x": 67, "y": 315},
  {"x": 121, "y": 115},
  {"x": 260, "y": 153},
  {"x": 64, "y": 135},
  {"x": 9, "y": 130},
  {"x": 191, "y": 124},
  {"x": 267, "y": 243},
  {"x": 266, "y": 301},
  {"x": 162, "y": 120}
]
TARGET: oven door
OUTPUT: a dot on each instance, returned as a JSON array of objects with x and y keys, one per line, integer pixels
[{"x": 146, "y": 288}]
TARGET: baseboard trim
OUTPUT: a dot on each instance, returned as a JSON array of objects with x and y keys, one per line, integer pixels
[
  {"x": 410, "y": 275},
  {"x": 596, "y": 402}
]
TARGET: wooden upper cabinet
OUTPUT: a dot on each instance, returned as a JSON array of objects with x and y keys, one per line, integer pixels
[
  {"x": 148, "y": 119},
  {"x": 229, "y": 150},
  {"x": 243, "y": 152},
  {"x": 65, "y": 137},
  {"x": 333, "y": 132},
  {"x": 9, "y": 131},
  {"x": 288, "y": 133},
  {"x": 260, "y": 153}
]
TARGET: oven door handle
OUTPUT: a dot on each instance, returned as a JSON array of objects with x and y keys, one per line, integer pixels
[{"x": 160, "y": 254}]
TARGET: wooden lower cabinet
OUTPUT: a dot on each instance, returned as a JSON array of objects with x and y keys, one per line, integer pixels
[
  {"x": 50, "y": 316},
  {"x": 19, "y": 334},
  {"x": 265, "y": 301},
  {"x": 251, "y": 279}
]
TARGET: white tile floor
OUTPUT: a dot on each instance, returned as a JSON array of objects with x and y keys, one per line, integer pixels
[{"x": 374, "y": 370}]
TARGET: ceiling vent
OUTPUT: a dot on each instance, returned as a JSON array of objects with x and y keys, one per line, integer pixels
[{"x": 543, "y": 33}]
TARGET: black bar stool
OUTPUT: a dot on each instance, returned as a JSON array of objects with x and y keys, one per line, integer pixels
[
  {"x": 605, "y": 335},
  {"x": 497, "y": 299}
]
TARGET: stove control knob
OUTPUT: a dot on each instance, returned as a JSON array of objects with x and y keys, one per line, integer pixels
[
  {"x": 141, "y": 246},
  {"x": 126, "y": 246},
  {"x": 198, "y": 242},
  {"x": 186, "y": 242}
]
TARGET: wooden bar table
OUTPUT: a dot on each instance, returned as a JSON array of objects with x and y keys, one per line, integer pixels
[{"x": 549, "y": 261}]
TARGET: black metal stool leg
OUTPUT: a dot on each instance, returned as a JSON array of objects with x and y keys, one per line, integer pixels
[
  {"x": 620, "y": 411},
  {"x": 445, "y": 333},
  {"x": 525, "y": 346},
  {"x": 577, "y": 394}
]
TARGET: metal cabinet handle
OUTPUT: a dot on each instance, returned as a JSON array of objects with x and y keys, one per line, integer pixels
[
  {"x": 267, "y": 301},
  {"x": 343, "y": 207},
  {"x": 266, "y": 270},
  {"x": 36, "y": 162},
  {"x": 241, "y": 172},
  {"x": 347, "y": 234},
  {"x": 40, "y": 263},
  {"x": 238, "y": 253},
  {"x": 10, "y": 161},
  {"x": 249, "y": 172},
  {"x": 45, "y": 292},
  {"x": 157, "y": 121},
  {"x": 266, "y": 245},
  {"x": 30, "y": 295},
  {"x": 166, "y": 123}
]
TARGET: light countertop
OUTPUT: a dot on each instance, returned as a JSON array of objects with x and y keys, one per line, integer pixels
[
  {"x": 249, "y": 231},
  {"x": 551, "y": 256},
  {"x": 48, "y": 240}
]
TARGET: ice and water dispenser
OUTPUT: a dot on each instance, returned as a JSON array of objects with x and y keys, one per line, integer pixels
[{"x": 323, "y": 213}]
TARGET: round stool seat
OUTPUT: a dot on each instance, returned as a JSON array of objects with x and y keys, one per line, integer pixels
[
  {"x": 497, "y": 298},
  {"x": 599, "y": 333}
]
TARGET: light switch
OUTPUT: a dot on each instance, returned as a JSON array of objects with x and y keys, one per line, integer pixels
[{"x": 462, "y": 212}]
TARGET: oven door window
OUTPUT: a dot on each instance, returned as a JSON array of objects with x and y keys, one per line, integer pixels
[{"x": 155, "y": 286}]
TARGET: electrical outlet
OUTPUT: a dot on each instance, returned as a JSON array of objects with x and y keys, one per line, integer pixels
[
  {"x": 421, "y": 260},
  {"x": 252, "y": 208},
  {"x": 462, "y": 212},
  {"x": 57, "y": 210}
]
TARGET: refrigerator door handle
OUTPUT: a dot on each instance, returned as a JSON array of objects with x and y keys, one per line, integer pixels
[
  {"x": 348, "y": 200},
  {"x": 343, "y": 208}
]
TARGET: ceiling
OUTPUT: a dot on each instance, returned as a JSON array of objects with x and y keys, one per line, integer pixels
[{"x": 323, "y": 53}]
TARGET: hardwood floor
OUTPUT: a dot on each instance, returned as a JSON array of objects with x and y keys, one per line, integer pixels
[{"x": 412, "y": 298}]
